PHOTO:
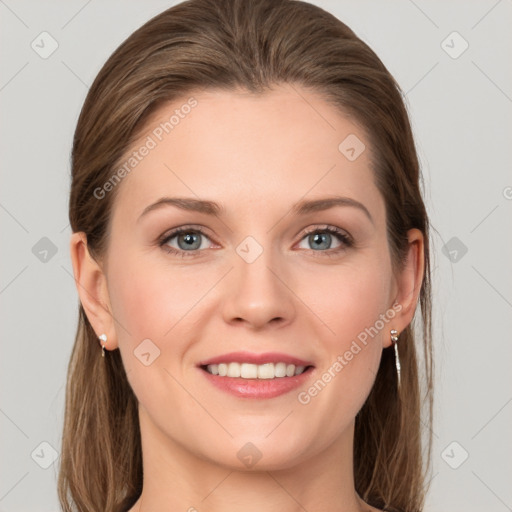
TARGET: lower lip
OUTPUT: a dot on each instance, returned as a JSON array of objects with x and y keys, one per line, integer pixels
[{"x": 258, "y": 388}]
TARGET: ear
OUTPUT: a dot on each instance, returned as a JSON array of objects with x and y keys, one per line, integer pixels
[
  {"x": 408, "y": 284},
  {"x": 92, "y": 288}
]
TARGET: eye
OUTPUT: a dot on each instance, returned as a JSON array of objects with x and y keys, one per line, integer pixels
[
  {"x": 327, "y": 239},
  {"x": 184, "y": 240},
  {"x": 189, "y": 241}
]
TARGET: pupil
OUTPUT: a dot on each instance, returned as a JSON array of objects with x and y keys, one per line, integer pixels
[
  {"x": 321, "y": 240},
  {"x": 189, "y": 239}
]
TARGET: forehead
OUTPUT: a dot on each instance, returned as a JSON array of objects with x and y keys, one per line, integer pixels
[{"x": 275, "y": 147}]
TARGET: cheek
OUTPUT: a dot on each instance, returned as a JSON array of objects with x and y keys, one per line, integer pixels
[
  {"x": 150, "y": 299},
  {"x": 350, "y": 299},
  {"x": 351, "y": 303}
]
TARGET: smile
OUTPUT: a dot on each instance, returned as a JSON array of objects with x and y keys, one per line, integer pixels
[{"x": 255, "y": 371}]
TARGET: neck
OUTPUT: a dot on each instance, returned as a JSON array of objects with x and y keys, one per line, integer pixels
[{"x": 176, "y": 479}]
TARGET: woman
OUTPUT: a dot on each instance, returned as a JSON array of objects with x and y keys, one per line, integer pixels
[{"x": 249, "y": 246}]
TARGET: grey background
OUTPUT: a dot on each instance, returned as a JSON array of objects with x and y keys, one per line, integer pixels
[{"x": 461, "y": 110}]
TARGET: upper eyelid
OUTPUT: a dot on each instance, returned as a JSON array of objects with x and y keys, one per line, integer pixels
[
  {"x": 325, "y": 227},
  {"x": 170, "y": 233}
]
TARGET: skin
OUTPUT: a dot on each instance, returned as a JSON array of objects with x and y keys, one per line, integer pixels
[{"x": 256, "y": 156}]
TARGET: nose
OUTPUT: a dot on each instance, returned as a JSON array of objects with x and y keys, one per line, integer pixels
[{"x": 258, "y": 294}]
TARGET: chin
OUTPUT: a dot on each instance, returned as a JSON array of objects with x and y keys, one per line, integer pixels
[{"x": 259, "y": 453}]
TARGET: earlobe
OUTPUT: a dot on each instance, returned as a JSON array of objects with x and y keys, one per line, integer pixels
[
  {"x": 409, "y": 282},
  {"x": 92, "y": 288}
]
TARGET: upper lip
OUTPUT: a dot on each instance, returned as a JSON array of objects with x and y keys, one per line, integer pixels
[{"x": 250, "y": 357}]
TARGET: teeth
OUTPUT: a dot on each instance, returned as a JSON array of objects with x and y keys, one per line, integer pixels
[
  {"x": 255, "y": 371},
  {"x": 248, "y": 371},
  {"x": 266, "y": 371},
  {"x": 280, "y": 370},
  {"x": 234, "y": 370}
]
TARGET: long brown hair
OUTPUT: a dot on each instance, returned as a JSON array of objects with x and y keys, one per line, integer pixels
[{"x": 252, "y": 45}]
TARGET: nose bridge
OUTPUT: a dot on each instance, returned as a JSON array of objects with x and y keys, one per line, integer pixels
[{"x": 256, "y": 294}]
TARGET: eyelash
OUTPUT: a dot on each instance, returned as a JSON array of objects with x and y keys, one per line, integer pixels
[{"x": 343, "y": 237}]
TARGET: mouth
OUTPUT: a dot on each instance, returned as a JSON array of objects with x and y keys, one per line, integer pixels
[
  {"x": 264, "y": 371},
  {"x": 262, "y": 376}
]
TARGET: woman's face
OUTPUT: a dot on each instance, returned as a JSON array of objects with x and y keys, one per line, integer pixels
[{"x": 261, "y": 276}]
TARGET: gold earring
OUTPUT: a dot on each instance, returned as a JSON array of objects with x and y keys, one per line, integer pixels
[{"x": 394, "y": 339}]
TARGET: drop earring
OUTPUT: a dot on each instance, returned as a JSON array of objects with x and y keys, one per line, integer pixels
[
  {"x": 394, "y": 339},
  {"x": 103, "y": 338}
]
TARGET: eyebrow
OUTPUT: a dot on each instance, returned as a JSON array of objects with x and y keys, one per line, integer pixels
[
  {"x": 212, "y": 208},
  {"x": 185, "y": 203},
  {"x": 317, "y": 205}
]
